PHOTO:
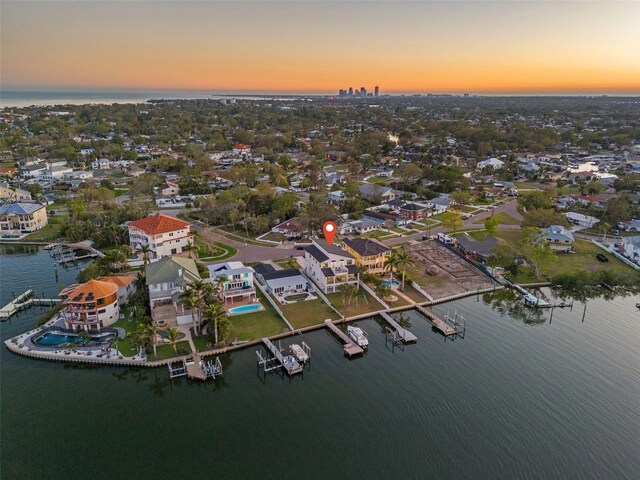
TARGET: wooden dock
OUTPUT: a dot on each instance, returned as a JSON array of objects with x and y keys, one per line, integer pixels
[
  {"x": 438, "y": 323},
  {"x": 289, "y": 363},
  {"x": 405, "y": 335},
  {"x": 350, "y": 348},
  {"x": 24, "y": 301},
  {"x": 195, "y": 369}
]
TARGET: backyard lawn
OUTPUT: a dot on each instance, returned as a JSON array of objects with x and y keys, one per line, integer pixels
[
  {"x": 250, "y": 326},
  {"x": 413, "y": 294},
  {"x": 310, "y": 312},
  {"x": 167, "y": 351},
  {"x": 362, "y": 303},
  {"x": 48, "y": 233}
]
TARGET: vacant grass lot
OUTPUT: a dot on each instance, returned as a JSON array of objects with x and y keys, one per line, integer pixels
[
  {"x": 503, "y": 219},
  {"x": 310, "y": 312},
  {"x": 362, "y": 303}
]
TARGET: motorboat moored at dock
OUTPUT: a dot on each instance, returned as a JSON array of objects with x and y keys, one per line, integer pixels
[{"x": 359, "y": 336}]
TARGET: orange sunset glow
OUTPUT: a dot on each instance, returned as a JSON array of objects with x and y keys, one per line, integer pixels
[{"x": 474, "y": 46}]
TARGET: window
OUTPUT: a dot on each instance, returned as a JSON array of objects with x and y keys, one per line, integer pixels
[{"x": 174, "y": 251}]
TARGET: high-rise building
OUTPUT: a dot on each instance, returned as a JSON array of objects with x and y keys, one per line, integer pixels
[
  {"x": 376, "y": 91},
  {"x": 342, "y": 92},
  {"x": 350, "y": 91},
  {"x": 363, "y": 92}
]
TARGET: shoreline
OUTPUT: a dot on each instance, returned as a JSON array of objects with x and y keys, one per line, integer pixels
[{"x": 18, "y": 349}]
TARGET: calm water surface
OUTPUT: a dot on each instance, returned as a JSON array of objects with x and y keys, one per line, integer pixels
[{"x": 510, "y": 400}]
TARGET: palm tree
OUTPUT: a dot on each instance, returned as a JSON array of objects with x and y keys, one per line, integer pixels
[
  {"x": 348, "y": 290},
  {"x": 215, "y": 313},
  {"x": 391, "y": 263},
  {"x": 191, "y": 247},
  {"x": 383, "y": 291},
  {"x": 145, "y": 250},
  {"x": 140, "y": 337},
  {"x": 189, "y": 298},
  {"x": 153, "y": 328},
  {"x": 173, "y": 335},
  {"x": 403, "y": 260}
]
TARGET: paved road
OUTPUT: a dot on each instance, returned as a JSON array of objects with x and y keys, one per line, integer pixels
[{"x": 469, "y": 224}]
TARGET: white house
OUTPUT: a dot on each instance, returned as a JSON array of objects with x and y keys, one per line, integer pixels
[
  {"x": 101, "y": 164},
  {"x": 492, "y": 163},
  {"x": 631, "y": 248},
  {"x": 329, "y": 266},
  {"x": 164, "y": 235},
  {"x": 241, "y": 149},
  {"x": 581, "y": 220},
  {"x": 236, "y": 281},
  {"x": 557, "y": 238}
]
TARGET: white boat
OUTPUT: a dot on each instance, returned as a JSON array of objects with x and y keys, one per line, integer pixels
[
  {"x": 358, "y": 336},
  {"x": 299, "y": 353}
]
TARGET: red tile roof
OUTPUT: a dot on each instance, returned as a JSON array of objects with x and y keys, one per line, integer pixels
[
  {"x": 241, "y": 146},
  {"x": 156, "y": 224}
]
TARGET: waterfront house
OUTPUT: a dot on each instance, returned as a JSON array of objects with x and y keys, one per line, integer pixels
[
  {"x": 164, "y": 235},
  {"x": 22, "y": 217},
  {"x": 90, "y": 306},
  {"x": 126, "y": 286},
  {"x": 557, "y": 237},
  {"x": 236, "y": 281},
  {"x": 285, "y": 282},
  {"x": 329, "y": 266},
  {"x": 631, "y": 248},
  {"x": 166, "y": 279},
  {"x": 370, "y": 255}
]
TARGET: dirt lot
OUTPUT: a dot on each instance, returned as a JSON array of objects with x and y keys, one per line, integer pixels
[{"x": 442, "y": 273}]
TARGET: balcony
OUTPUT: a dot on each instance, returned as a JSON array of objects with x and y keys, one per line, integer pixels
[{"x": 235, "y": 292}]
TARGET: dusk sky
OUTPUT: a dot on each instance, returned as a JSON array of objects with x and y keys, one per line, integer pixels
[{"x": 446, "y": 46}]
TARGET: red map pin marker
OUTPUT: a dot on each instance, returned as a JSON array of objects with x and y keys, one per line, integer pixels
[{"x": 329, "y": 229}]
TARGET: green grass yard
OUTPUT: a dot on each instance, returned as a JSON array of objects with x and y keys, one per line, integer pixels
[
  {"x": 250, "y": 326},
  {"x": 167, "y": 351},
  {"x": 307, "y": 313},
  {"x": 362, "y": 303}
]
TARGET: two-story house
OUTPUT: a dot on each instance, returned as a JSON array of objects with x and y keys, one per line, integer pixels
[
  {"x": 166, "y": 279},
  {"x": 235, "y": 281},
  {"x": 22, "y": 217},
  {"x": 164, "y": 235},
  {"x": 370, "y": 255},
  {"x": 329, "y": 266}
]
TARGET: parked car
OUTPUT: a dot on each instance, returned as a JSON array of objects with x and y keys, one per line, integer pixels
[{"x": 602, "y": 258}]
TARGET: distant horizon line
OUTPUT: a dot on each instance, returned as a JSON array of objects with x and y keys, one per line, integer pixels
[{"x": 222, "y": 92}]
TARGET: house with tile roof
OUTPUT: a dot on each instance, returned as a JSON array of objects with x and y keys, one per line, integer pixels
[
  {"x": 126, "y": 284},
  {"x": 90, "y": 306},
  {"x": 22, "y": 217},
  {"x": 329, "y": 266},
  {"x": 164, "y": 235},
  {"x": 370, "y": 255}
]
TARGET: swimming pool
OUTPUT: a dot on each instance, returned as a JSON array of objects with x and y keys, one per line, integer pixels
[
  {"x": 254, "y": 307},
  {"x": 390, "y": 283},
  {"x": 52, "y": 339}
]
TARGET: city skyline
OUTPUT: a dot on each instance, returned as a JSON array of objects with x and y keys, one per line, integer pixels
[{"x": 473, "y": 47}]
